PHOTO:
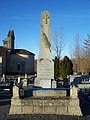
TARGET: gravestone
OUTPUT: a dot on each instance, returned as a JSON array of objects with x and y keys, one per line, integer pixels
[
  {"x": 54, "y": 84},
  {"x": 45, "y": 65},
  {"x": 19, "y": 80},
  {"x": 3, "y": 78},
  {"x": 25, "y": 81}
]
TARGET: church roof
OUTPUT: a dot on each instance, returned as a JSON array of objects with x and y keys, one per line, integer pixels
[
  {"x": 2, "y": 50},
  {"x": 21, "y": 51}
]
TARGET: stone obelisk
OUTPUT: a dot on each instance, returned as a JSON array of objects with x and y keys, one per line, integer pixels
[{"x": 45, "y": 65}]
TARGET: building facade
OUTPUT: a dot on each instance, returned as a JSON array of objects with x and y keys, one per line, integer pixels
[
  {"x": 15, "y": 61},
  {"x": 18, "y": 61}
]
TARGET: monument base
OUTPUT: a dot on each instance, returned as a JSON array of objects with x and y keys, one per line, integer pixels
[
  {"x": 49, "y": 93},
  {"x": 43, "y": 83},
  {"x": 45, "y": 72}
]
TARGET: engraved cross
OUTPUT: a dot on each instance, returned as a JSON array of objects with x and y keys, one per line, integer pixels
[{"x": 46, "y": 18}]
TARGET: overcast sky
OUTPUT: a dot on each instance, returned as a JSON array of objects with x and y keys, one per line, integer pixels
[{"x": 23, "y": 16}]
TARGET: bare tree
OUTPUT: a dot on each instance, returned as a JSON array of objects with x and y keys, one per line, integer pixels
[
  {"x": 77, "y": 54},
  {"x": 58, "y": 43},
  {"x": 87, "y": 42},
  {"x": 87, "y": 53},
  {"x": 81, "y": 55}
]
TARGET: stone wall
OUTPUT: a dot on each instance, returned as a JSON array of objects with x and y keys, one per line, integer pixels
[{"x": 66, "y": 106}]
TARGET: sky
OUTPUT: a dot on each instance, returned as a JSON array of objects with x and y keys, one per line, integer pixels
[{"x": 23, "y": 16}]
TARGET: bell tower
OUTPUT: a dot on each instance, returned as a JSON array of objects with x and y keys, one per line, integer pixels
[{"x": 9, "y": 41}]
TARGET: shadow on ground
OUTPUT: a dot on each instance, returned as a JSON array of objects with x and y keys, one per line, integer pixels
[{"x": 84, "y": 105}]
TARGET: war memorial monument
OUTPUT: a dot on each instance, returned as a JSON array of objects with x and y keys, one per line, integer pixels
[
  {"x": 45, "y": 75},
  {"x": 45, "y": 65}
]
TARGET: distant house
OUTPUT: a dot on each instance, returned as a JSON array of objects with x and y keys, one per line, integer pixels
[{"x": 15, "y": 61}]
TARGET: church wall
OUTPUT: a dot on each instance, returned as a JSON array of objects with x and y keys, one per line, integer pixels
[
  {"x": 5, "y": 62},
  {"x": 19, "y": 64},
  {"x": 30, "y": 64}
]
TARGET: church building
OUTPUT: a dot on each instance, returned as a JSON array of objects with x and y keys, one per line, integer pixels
[{"x": 15, "y": 61}]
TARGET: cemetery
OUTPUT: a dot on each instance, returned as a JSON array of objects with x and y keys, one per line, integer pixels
[{"x": 40, "y": 93}]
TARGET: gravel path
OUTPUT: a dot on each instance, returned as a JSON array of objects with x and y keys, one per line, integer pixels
[{"x": 45, "y": 117}]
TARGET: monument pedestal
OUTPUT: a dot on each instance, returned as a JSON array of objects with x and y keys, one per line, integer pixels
[
  {"x": 45, "y": 83},
  {"x": 45, "y": 72}
]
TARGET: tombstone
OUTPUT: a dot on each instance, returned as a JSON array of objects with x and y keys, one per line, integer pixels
[
  {"x": 45, "y": 65},
  {"x": 73, "y": 92},
  {"x": 25, "y": 81},
  {"x": 15, "y": 92},
  {"x": 3, "y": 78},
  {"x": 54, "y": 84},
  {"x": 26, "y": 76},
  {"x": 18, "y": 79}
]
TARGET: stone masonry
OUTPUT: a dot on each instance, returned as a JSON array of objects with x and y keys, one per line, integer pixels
[{"x": 45, "y": 105}]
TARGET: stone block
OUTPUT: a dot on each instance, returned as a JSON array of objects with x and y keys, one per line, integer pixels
[
  {"x": 49, "y": 103},
  {"x": 60, "y": 92},
  {"x": 49, "y": 93},
  {"x": 15, "y": 110},
  {"x": 62, "y": 110},
  {"x": 50, "y": 110},
  {"x": 44, "y": 93},
  {"x": 61, "y": 103},
  {"x": 27, "y": 102},
  {"x": 74, "y": 102},
  {"x": 38, "y": 110},
  {"x": 74, "y": 110},
  {"x": 38, "y": 103},
  {"x": 27, "y": 110},
  {"x": 15, "y": 102}
]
